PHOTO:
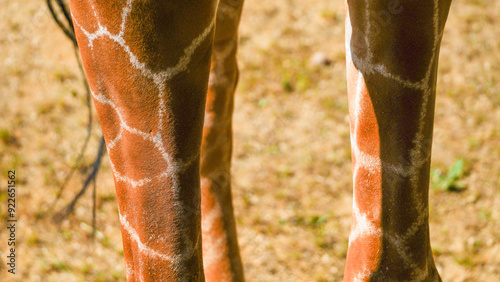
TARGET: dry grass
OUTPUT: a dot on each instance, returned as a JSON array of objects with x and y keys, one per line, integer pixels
[{"x": 292, "y": 184}]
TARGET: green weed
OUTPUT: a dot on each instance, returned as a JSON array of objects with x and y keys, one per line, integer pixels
[{"x": 451, "y": 180}]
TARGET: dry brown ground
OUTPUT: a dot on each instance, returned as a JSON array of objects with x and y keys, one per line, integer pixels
[{"x": 292, "y": 183}]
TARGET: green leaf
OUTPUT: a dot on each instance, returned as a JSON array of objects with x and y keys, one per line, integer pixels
[
  {"x": 456, "y": 170},
  {"x": 451, "y": 180}
]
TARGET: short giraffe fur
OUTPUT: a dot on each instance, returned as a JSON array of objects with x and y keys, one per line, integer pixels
[{"x": 163, "y": 76}]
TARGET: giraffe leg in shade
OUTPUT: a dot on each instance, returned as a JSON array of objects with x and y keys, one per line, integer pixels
[
  {"x": 221, "y": 258},
  {"x": 391, "y": 72}
]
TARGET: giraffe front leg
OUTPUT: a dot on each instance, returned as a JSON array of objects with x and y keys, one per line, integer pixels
[
  {"x": 392, "y": 53},
  {"x": 148, "y": 64},
  {"x": 221, "y": 258}
]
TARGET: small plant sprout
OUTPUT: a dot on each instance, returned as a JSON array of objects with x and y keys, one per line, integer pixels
[{"x": 451, "y": 180}]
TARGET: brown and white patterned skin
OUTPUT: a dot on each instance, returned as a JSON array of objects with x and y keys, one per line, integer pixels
[
  {"x": 163, "y": 76},
  {"x": 221, "y": 258},
  {"x": 148, "y": 64},
  {"x": 392, "y": 54}
]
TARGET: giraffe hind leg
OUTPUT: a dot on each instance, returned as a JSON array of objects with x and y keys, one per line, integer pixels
[{"x": 221, "y": 256}]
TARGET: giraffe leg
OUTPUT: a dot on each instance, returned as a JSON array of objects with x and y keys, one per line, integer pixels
[
  {"x": 392, "y": 54},
  {"x": 221, "y": 258},
  {"x": 148, "y": 64}
]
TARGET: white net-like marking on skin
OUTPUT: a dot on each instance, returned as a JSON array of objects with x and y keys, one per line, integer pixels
[
  {"x": 212, "y": 253},
  {"x": 225, "y": 10},
  {"x": 418, "y": 155},
  {"x": 364, "y": 158},
  {"x": 158, "y": 77},
  {"x": 218, "y": 77},
  {"x": 362, "y": 276},
  {"x": 111, "y": 144},
  {"x": 216, "y": 251},
  {"x": 174, "y": 167},
  {"x": 176, "y": 260},
  {"x": 363, "y": 225},
  {"x": 142, "y": 247},
  {"x": 129, "y": 270}
]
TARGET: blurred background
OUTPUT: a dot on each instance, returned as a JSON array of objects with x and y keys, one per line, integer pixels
[{"x": 291, "y": 165}]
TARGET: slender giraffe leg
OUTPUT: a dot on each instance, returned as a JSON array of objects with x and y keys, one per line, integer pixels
[
  {"x": 221, "y": 258},
  {"x": 148, "y": 64},
  {"x": 392, "y": 54}
]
